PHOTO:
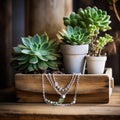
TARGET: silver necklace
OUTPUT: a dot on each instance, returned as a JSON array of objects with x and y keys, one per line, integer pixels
[
  {"x": 61, "y": 92},
  {"x": 66, "y": 88}
]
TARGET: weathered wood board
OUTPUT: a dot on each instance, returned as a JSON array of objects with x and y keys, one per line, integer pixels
[{"x": 92, "y": 88}]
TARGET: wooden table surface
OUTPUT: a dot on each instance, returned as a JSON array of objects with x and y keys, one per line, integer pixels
[{"x": 35, "y": 111}]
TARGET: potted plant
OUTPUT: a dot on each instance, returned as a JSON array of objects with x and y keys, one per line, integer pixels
[
  {"x": 36, "y": 54},
  {"x": 94, "y": 20},
  {"x": 74, "y": 48},
  {"x": 96, "y": 61}
]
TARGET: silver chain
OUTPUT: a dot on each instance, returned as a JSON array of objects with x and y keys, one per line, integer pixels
[
  {"x": 66, "y": 88},
  {"x": 62, "y": 92}
]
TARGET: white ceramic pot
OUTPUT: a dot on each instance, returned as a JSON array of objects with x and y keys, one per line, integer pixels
[
  {"x": 96, "y": 65},
  {"x": 74, "y": 58}
]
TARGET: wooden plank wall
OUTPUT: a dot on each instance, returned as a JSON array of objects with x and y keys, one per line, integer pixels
[{"x": 46, "y": 16}]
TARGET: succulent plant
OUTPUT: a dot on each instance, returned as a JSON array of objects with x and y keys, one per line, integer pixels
[
  {"x": 36, "y": 54},
  {"x": 98, "y": 45},
  {"x": 93, "y": 19},
  {"x": 74, "y": 36}
]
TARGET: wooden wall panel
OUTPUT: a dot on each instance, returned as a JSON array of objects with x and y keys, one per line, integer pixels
[{"x": 46, "y": 16}]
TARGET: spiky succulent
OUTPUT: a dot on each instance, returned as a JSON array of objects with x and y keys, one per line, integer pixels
[
  {"x": 93, "y": 19},
  {"x": 36, "y": 54},
  {"x": 74, "y": 36}
]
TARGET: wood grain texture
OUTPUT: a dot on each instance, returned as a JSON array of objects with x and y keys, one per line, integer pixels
[
  {"x": 43, "y": 109},
  {"x": 37, "y": 111},
  {"x": 46, "y": 16},
  {"x": 59, "y": 117},
  {"x": 91, "y": 88}
]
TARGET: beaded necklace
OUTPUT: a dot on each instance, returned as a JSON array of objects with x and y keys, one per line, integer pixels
[{"x": 61, "y": 91}]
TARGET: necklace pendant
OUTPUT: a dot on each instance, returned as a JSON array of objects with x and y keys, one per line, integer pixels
[
  {"x": 63, "y": 96},
  {"x": 61, "y": 100}
]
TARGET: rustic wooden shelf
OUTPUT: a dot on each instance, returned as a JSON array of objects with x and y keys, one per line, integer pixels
[
  {"x": 36, "y": 111},
  {"x": 92, "y": 88}
]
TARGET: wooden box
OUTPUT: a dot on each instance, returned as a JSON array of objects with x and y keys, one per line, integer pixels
[{"x": 92, "y": 88}]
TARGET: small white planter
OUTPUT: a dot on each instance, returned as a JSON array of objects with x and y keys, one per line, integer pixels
[
  {"x": 96, "y": 65},
  {"x": 74, "y": 58}
]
